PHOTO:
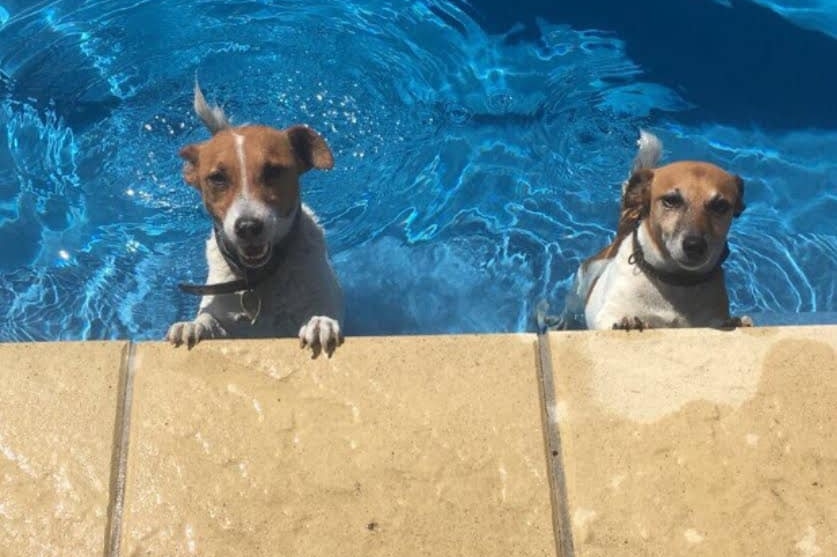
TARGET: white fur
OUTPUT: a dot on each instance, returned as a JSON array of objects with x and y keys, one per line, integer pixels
[
  {"x": 245, "y": 205},
  {"x": 623, "y": 290},
  {"x": 242, "y": 162},
  {"x": 608, "y": 290},
  {"x": 648, "y": 154},
  {"x": 679, "y": 260},
  {"x": 649, "y": 151},
  {"x": 275, "y": 226},
  {"x": 303, "y": 298},
  {"x": 213, "y": 117}
]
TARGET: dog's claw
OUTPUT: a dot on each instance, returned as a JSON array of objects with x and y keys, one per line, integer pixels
[
  {"x": 735, "y": 322},
  {"x": 630, "y": 324}
]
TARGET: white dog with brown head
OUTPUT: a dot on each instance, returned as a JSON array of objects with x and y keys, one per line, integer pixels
[
  {"x": 269, "y": 271},
  {"x": 664, "y": 267}
]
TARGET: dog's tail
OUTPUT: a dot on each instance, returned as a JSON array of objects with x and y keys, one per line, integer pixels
[
  {"x": 649, "y": 152},
  {"x": 647, "y": 156},
  {"x": 213, "y": 117}
]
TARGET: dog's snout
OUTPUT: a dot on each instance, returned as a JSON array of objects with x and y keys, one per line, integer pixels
[
  {"x": 694, "y": 246},
  {"x": 248, "y": 228}
]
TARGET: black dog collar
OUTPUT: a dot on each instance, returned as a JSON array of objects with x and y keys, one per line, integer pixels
[{"x": 248, "y": 278}]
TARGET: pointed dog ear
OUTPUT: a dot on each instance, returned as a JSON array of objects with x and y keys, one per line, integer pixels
[
  {"x": 190, "y": 155},
  {"x": 636, "y": 200},
  {"x": 310, "y": 148},
  {"x": 739, "y": 201}
]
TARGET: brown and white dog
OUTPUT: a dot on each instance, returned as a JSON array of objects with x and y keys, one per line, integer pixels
[
  {"x": 663, "y": 269},
  {"x": 269, "y": 272}
]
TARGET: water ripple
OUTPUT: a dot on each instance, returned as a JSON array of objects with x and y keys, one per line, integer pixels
[{"x": 473, "y": 172}]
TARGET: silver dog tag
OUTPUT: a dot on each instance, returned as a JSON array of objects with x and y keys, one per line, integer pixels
[{"x": 251, "y": 305}]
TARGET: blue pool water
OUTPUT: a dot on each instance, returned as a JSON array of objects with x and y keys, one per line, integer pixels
[{"x": 479, "y": 148}]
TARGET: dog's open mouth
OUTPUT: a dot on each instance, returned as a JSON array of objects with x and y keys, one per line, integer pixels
[{"x": 255, "y": 256}]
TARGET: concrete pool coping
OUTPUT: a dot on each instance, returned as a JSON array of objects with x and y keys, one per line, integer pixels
[{"x": 582, "y": 443}]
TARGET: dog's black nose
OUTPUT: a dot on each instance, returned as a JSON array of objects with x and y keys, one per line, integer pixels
[
  {"x": 248, "y": 228},
  {"x": 694, "y": 246}
]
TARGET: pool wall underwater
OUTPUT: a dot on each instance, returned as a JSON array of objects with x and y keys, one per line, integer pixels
[{"x": 479, "y": 148}]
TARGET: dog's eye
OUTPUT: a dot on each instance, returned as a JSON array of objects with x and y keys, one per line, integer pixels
[
  {"x": 271, "y": 173},
  {"x": 218, "y": 180},
  {"x": 672, "y": 200},
  {"x": 719, "y": 206}
]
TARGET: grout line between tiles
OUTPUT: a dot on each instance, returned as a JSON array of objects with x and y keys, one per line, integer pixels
[
  {"x": 119, "y": 456},
  {"x": 554, "y": 454}
]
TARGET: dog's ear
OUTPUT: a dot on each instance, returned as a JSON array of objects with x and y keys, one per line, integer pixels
[
  {"x": 636, "y": 200},
  {"x": 739, "y": 200},
  {"x": 190, "y": 155},
  {"x": 310, "y": 148}
]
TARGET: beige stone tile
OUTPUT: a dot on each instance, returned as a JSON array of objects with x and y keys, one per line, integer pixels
[
  {"x": 699, "y": 442},
  {"x": 57, "y": 415},
  {"x": 395, "y": 446}
]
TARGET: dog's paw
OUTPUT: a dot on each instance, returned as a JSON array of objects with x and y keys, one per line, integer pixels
[
  {"x": 321, "y": 334},
  {"x": 630, "y": 324},
  {"x": 188, "y": 332},
  {"x": 735, "y": 322}
]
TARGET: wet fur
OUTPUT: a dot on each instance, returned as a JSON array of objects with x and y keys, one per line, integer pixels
[
  {"x": 610, "y": 292},
  {"x": 262, "y": 165}
]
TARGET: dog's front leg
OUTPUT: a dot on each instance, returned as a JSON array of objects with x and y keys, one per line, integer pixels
[{"x": 205, "y": 326}]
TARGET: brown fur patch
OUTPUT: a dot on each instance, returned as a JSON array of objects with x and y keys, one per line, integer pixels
[
  {"x": 273, "y": 161},
  {"x": 190, "y": 156},
  {"x": 310, "y": 148},
  {"x": 696, "y": 179},
  {"x": 697, "y": 184},
  {"x": 635, "y": 201}
]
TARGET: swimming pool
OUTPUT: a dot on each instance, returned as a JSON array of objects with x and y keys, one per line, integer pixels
[{"x": 479, "y": 148}]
